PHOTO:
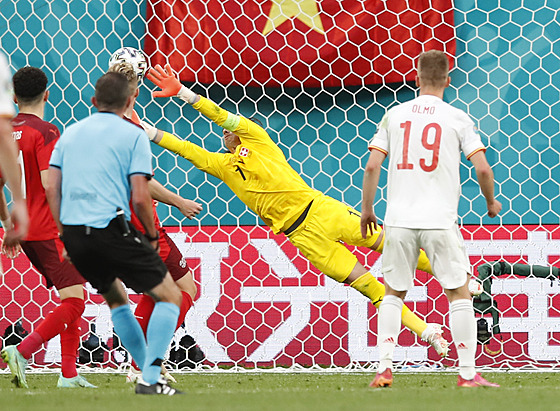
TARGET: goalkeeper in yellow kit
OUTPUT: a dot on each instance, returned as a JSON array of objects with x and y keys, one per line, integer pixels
[{"x": 257, "y": 171}]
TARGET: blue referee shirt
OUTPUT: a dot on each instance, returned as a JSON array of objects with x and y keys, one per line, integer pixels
[{"x": 97, "y": 156}]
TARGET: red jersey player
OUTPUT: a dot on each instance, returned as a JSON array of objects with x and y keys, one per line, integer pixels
[{"x": 36, "y": 139}]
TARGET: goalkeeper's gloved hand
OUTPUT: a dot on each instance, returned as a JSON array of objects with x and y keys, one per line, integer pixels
[
  {"x": 150, "y": 130},
  {"x": 169, "y": 84}
]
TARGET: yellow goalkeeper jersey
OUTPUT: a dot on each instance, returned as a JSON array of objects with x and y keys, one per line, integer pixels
[{"x": 258, "y": 172}]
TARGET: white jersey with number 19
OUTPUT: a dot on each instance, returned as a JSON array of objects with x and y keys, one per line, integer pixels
[{"x": 423, "y": 139}]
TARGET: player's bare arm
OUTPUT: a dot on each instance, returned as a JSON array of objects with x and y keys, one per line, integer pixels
[
  {"x": 13, "y": 250},
  {"x": 52, "y": 182},
  {"x": 187, "y": 207},
  {"x": 485, "y": 178},
  {"x": 371, "y": 181},
  {"x": 8, "y": 158},
  {"x": 53, "y": 191},
  {"x": 10, "y": 251},
  {"x": 12, "y": 174}
]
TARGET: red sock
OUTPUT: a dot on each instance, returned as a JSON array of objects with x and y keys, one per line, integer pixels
[
  {"x": 69, "y": 343},
  {"x": 136, "y": 367},
  {"x": 143, "y": 313},
  {"x": 144, "y": 310},
  {"x": 56, "y": 321},
  {"x": 145, "y": 307},
  {"x": 30, "y": 344},
  {"x": 185, "y": 307}
]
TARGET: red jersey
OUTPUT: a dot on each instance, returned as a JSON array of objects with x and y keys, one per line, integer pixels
[
  {"x": 163, "y": 246},
  {"x": 36, "y": 139}
]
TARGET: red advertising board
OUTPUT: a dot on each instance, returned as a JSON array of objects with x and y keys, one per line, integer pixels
[{"x": 260, "y": 303}]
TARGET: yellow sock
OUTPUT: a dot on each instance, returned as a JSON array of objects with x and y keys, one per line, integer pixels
[
  {"x": 368, "y": 285},
  {"x": 424, "y": 263},
  {"x": 413, "y": 322}
]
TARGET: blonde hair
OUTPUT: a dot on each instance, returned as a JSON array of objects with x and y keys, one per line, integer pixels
[
  {"x": 128, "y": 70},
  {"x": 433, "y": 68}
]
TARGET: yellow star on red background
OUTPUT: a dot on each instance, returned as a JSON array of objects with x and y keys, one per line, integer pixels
[{"x": 307, "y": 11}]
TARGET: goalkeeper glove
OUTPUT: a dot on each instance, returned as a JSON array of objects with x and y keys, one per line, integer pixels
[{"x": 169, "y": 84}]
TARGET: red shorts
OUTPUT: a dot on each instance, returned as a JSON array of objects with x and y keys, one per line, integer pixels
[
  {"x": 175, "y": 262},
  {"x": 46, "y": 257}
]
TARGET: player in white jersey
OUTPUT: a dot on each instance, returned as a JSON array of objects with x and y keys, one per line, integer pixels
[
  {"x": 427, "y": 197},
  {"x": 423, "y": 139},
  {"x": 8, "y": 162}
]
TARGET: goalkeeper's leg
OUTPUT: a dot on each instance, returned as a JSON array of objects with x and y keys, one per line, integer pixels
[
  {"x": 369, "y": 286},
  {"x": 363, "y": 281},
  {"x": 323, "y": 248}
]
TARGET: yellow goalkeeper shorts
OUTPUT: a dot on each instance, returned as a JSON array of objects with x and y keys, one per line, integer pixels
[{"x": 321, "y": 235}]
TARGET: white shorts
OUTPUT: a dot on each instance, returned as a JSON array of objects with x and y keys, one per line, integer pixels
[{"x": 445, "y": 250}]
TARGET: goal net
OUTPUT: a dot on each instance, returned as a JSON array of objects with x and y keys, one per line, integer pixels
[{"x": 319, "y": 75}]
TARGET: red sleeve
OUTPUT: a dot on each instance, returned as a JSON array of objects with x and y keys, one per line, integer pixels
[
  {"x": 135, "y": 118},
  {"x": 45, "y": 146}
]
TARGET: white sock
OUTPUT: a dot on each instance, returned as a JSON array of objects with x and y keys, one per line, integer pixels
[
  {"x": 388, "y": 328},
  {"x": 463, "y": 331}
]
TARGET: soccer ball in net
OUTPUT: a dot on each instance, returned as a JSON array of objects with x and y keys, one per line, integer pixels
[{"x": 132, "y": 56}]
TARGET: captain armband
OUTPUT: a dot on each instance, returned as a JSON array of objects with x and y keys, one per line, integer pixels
[{"x": 231, "y": 123}]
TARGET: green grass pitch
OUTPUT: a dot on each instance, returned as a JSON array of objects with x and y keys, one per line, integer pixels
[{"x": 289, "y": 391}]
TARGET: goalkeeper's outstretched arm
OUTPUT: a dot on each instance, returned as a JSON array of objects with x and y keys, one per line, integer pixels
[
  {"x": 201, "y": 158},
  {"x": 170, "y": 86}
]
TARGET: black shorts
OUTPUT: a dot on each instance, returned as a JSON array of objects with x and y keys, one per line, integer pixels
[
  {"x": 46, "y": 257},
  {"x": 102, "y": 255}
]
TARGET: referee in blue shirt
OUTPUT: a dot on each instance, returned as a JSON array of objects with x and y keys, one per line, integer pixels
[{"x": 98, "y": 164}]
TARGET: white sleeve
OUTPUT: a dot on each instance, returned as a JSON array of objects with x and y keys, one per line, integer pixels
[
  {"x": 469, "y": 136},
  {"x": 380, "y": 140},
  {"x": 6, "y": 102}
]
